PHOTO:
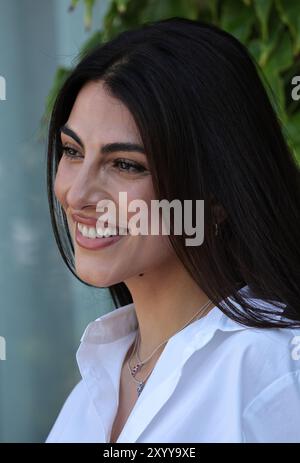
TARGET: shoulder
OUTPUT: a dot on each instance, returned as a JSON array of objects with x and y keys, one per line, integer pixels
[
  {"x": 267, "y": 353},
  {"x": 270, "y": 344},
  {"x": 247, "y": 357},
  {"x": 274, "y": 413},
  {"x": 269, "y": 364}
]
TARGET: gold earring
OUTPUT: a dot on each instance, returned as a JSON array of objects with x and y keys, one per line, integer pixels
[{"x": 216, "y": 229}]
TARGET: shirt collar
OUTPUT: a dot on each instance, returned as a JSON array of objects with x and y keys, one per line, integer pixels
[
  {"x": 122, "y": 321},
  {"x": 112, "y": 326}
]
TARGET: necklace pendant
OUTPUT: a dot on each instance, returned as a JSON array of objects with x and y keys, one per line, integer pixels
[
  {"x": 140, "y": 387},
  {"x": 136, "y": 369}
]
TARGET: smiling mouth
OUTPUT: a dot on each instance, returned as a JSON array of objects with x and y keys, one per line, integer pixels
[{"x": 100, "y": 232}]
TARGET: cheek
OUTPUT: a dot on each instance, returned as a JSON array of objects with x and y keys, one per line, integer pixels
[
  {"x": 158, "y": 249},
  {"x": 146, "y": 253},
  {"x": 151, "y": 255},
  {"x": 61, "y": 186},
  {"x": 142, "y": 191}
]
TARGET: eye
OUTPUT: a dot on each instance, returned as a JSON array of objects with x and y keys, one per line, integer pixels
[
  {"x": 128, "y": 166},
  {"x": 70, "y": 152}
]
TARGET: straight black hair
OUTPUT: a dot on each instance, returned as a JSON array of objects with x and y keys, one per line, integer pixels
[{"x": 210, "y": 132}]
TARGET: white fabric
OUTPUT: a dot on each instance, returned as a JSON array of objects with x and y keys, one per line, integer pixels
[{"x": 215, "y": 381}]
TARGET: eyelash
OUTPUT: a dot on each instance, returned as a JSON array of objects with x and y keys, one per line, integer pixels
[{"x": 137, "y": 167}]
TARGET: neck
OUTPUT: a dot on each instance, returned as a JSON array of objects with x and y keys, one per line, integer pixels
[{"x": 165, "y": 300}]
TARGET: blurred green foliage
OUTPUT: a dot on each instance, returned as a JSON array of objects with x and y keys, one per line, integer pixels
[{"x": 269, "y": 28}]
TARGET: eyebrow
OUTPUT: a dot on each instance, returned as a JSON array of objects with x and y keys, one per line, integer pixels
[{"x": 105, "y": 149}]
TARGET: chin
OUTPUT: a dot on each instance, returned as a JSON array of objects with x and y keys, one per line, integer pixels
[{"x": 94, "y": 277}]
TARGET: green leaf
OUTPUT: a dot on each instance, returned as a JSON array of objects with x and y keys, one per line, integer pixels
[
  {"x": 269, "y": 46},
  {"x": 237, "y": 19},
  {"x": 108, "y": 21},
  {"x": 293, "y": 125},
  {"x": 262, "y": 9},
  {"x": 282, "y": 57},
  {"x": 254, "y": 47},
  {"x": 262, "y": 50},
  {"x": 280, "y": 60},
  {"x": 289, "y": 11},
  {"x": 88, "y": 13},
  {"x": 292, "y": 133},
  {"x": 122, "y": 5},
  {"x": 158, "y": 9},
  {"x": 213, "y": 7}
]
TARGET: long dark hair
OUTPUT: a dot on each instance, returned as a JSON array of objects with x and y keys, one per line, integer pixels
[{"x": 210, "y": 132}]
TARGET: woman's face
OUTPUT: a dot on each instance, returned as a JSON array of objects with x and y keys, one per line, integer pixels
[{"x": 87, "y": 175}]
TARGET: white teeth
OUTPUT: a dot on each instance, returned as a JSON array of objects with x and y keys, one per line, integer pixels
[
  {"x": 107, "y": 232},
  {"x": 104, "y": 232},
  {"x": 93, "y": 233}
]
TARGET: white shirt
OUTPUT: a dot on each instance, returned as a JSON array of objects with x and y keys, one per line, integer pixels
[{"x": 215, "y": 381}]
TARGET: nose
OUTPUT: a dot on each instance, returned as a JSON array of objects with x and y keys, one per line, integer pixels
[{"x": 87, "y": 187}]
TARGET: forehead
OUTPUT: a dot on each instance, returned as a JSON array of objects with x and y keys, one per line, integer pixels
[{"x": 97, "y": 114}]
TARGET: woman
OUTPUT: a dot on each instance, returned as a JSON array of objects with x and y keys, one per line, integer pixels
[{"x": 204, "y": 344}]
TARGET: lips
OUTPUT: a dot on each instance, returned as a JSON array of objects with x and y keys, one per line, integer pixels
[
  {"x": 97, "y": 243},
  {"x": 86, "y": 220}
]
